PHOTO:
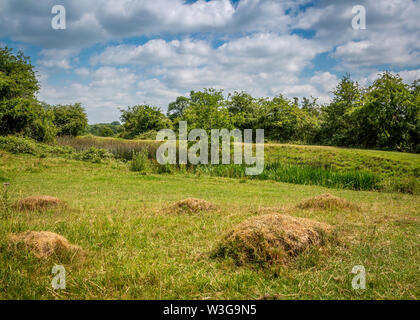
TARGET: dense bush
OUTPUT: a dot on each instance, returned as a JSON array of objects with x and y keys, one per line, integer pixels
[
  {"x": 21, "y": 145},
  {"x": 142, "y": 118},
  {"x": 93, "y": 155},
  {"x": 140, "y": 162},
  {"x": 70, "y": 120}
]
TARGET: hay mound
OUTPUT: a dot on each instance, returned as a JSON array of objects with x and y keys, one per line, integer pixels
[
  {"x": 191, "y": 205},
  {"x": 327, "y": 201},
  {"x": 44, "y": 243},
  {"x": 272, "y": 238},
  {"x": 35, "y": 203}
]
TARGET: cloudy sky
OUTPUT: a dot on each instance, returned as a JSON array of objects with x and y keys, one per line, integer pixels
[{"x": 116, "y": 53}]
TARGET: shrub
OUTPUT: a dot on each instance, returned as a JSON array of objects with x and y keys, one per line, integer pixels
[
  {"x": 140, "y": 162},
  {"x": 17, "y": 145},
  {"x": 166, "y": 168},
  {"x": 94, "y": 155},
  {"x": 20, "y": 145},
  {"x": 71, "y": 120}
]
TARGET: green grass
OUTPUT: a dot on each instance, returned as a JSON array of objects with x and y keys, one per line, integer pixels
[
  {"x": 315, "y": 165},
  {"x": 384, "y": 163},
  {"x": 298, "y": 174},
  {"x": 135, "y": 251}
]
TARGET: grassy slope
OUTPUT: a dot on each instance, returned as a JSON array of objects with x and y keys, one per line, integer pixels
[
  {"x": 387, "y": 171},
  {"x": 386, "y": 163},
  {"x": 135, "y": 251}
]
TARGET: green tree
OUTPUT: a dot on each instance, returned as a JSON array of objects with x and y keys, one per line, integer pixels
[
  {"x": 244, "y": 109},
  {"x": 176, "y": 109},
  {"x": 284, "y": 121},
  {"x": 70, "y": 120},
  {"x": 17, "y": 76},
  {"x": 142, "y": 118},
  {"x": 20, "y": 111},
  {"x": 389, "y": 115},
  {"x": 106, "y": 131},
  {"x": 339, "y": 126},
  {"x": 207, "y": 111}
]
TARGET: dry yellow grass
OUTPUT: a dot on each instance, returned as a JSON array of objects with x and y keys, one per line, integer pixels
[
  {"x": 272, "y": 238},
  {"x": 190, "y": 205},
  {"x": 38, "y": 203},
  {"x": 43, "y": 244},
  {"x": 327, "y": 201}
]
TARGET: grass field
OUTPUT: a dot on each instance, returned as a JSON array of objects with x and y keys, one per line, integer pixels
[
  {"x": 137, "y": 251},
  {"x": 334, "y": 167}
]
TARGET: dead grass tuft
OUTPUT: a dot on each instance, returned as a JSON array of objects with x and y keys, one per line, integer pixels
[
  {"x": 38, "y": 203},
  {"x": 191, "y": 205},
  {"x": 327, "y": 201},
  {"x": 43, "y": 244},
  {"x": 272, "y": 238}
]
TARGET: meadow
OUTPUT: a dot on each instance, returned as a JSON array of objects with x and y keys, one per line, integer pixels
[
  {"x": 356, "y": 169},
  {"x": 136, "y": 250}
]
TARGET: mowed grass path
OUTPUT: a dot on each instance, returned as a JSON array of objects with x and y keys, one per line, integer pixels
[{"x": 136, "y": 251}]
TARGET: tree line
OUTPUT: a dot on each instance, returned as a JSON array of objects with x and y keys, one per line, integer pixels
[{"x": 384, "y": 115}]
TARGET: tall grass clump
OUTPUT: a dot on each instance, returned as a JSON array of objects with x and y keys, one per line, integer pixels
[
  {"x": 120, "y": 149},
  {"x": 343, "y": 179},
  {"x": 140, "y": 162},
  {"x": 410, "y": 185},
  {"x": 306, "y": 175}
]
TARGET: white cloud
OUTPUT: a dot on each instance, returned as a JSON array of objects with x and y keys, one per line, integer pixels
[
  {"x": 107, "y": 90},
  {"x": 264, "y": 64},
  {"x": 392, "y": 36},
  {"x": 248, "y": 46}
]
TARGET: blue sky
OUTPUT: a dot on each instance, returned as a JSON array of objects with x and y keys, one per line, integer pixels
[{"x": 116, "y": 53}]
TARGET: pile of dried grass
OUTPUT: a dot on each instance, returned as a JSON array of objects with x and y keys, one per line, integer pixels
[
  {"x": 190, "y": 205},
  {"x": 272, "y": 238},
  {"x": 43, "y": 244},
  {"x": 327, "y": 201},
  {"x": 38, "y": 203}
]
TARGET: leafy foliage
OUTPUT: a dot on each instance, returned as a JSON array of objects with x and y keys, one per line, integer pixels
[
  {"x": 142, "y": 118},
  {"x": 70, "y": 120},
  {"x": 20, "y": 112},
  {"x": 140, "y": 162}
]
